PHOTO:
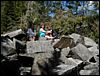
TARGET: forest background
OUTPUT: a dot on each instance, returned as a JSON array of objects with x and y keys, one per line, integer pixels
[{"x": 64, "y": 16}]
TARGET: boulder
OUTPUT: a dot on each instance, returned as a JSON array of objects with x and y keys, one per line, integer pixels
[
  {"x": 7, "y": 49},
  {"x": 12, "y": 57},
  {"x": 77, "y": 38},
  {"x": 25, "y": 70},
  {"x": 9, "y": 46},
  {"x": 90, "y": 69},
  {"x": 74, "y": 62},
  {"x": 8, "y": 41},
  {"x": 20, "y": 46},
  {"x": 41, "y": 63},
  {"x": 96, "y": 57},
  {"x": 35, "y": 70},
  {"x": 39, "y": 46},
  {"x": 61, "y": 69},
  {"x": 89, "y": 72},
  {"x": 64, "y": 42},
  {"x": 89, "y": 42},
  {"x": 94, "y": 50},
  {"x": 55, "y": 41},
  {"x": 13, "y": 33},
  {"x": 65, "y": 51},
  {"x": 42, "y": 38},
  {"x": 91, "y": 66},
  {"x": 71, "y": 67},
  {"x": 80, "y": 52},
  {"x": 70, "y": 61}
]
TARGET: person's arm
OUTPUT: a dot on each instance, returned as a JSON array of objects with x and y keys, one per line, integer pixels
[
  {"x": 49, "y": 37},
  {"x": 49, "y": 31}
]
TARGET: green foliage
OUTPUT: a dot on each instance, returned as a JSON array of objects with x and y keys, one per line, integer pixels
[
  {"x": 18, "y": 14},
  {"x": 11, "y": 14}
]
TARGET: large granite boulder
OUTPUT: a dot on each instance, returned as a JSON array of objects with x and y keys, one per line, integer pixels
[
  {"x": 64, "y": 42},
  {"x": 41, "y": 63},
  {"x": 25, "y": 70},
  {"x": 65, "y": 51},
  {"x": 68, "y": 68},
  {"x": 61, "y": 69},
  {"x": 90, "y": 69},
  {"x": 91, "y": 66},
  {"x": 39, "y": 46},
  {"x": 89, "y": 42},
  {"x": 55, "y": 41},
  {"x": 80, "y": 52},
  {"x": 13, "y": 33},
  {"x": 94, "y": 50},
  {"x": 7, "y": 47},
  {"x": 89, "y": 72},
  {"x": 77, "y": 38}
]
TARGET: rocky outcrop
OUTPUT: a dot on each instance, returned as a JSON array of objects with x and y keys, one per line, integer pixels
[
  {"x": 13, "y": 33},
  {"x": 64, "y": 42},
  {"x": 81, "y": 52},
  {"x": 70, "y": 55}
]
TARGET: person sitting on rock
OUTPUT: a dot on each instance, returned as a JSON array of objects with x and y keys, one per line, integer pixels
[
  {"x": 42, "y": 31},
  {"x": 49, "y": 33},
  {"x": 30, "y": 33}
]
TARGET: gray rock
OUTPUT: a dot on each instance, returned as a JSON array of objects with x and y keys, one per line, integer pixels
[
  {"x": 61, "y": 69},
  {"x": 74, "y": 62},
  {"x": 42, "y": 38},
  {"x": 7, "y": 49},
  {"x": 65, "y": 51},
  {"x": 9, "y": 42},
  {"x": 58, "y": 50},
  {"x": 70, "y": 61},
  {"x": 75, "y": 37},
  {"x": 67, "y": 68},
  {"x": 35, "y": 70},
  {"x": 64, "y": 42},
  {"x": 55, "y": 41},
  {"x": 96, "y": 58},
  {"x": 81, "y": 52},
  {"x": 91, "y": 66},
  {"x": 13, "y": 57},
  {"x": 20, "y": 46},
  {"x": 18, "y": 43},
  {"x": 27, "y": 55},
  {"x": 94, "y": 50},
  {"x": 89, "y": 72},
  {"x": 40, "y": 63},
  {"x": 13, "y": 33},
  {"x": 39, "y": 46},
  {"x": 25, "y": 70},
  {"x": 89, "y": 42}
]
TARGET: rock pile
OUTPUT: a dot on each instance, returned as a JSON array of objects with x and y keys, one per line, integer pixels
[
  {"x": 70, "y": 55},
  {"x": 83, "y": 56}
]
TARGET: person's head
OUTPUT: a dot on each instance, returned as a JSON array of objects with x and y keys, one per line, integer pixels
[
  {"x": 48, "y": 27},
  {"x": 42, "y": 25}
]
